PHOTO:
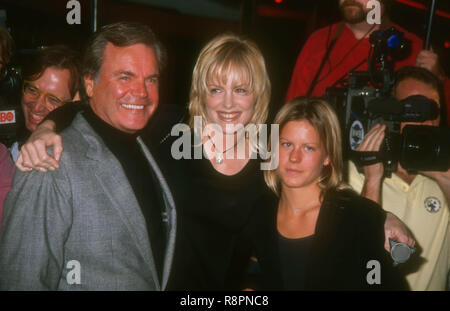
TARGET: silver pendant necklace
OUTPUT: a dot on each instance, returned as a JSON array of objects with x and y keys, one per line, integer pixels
[
  {"x": 219, "y": 158},
  {"x": 219, "y": 155}
]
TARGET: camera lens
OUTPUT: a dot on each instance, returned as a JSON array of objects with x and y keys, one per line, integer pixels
[{"x": 425, "y": 148}]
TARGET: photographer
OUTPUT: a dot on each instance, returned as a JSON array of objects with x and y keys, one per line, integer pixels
[
  {"x": 50, "y": 80},
  {"x": 10, "y": 83},
  {"x": 421, "y": 201},
  {"x": 331, "y": 52}
]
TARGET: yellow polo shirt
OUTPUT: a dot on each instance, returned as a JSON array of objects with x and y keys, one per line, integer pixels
[{"x": 422, "y": 206}]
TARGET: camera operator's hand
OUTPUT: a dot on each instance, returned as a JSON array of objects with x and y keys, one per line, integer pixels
[
  {"x": 443, "y": 180},
  {"x": 33, "y": 154},
  {"x": 373, "y": 173},
  {"x": 429, "y": 60},
  {"x": 394, "y": 228}
]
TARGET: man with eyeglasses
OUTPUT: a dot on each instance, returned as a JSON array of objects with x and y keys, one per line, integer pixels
[{"x": 50, "y": 80}]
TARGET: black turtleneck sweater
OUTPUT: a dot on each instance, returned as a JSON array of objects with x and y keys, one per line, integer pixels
[{"x": 141, "y": 177}]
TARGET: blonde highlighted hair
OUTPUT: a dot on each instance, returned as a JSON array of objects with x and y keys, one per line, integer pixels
[
  {"x": 324, "y": 120},
  {"x": 230, "y": 56}
]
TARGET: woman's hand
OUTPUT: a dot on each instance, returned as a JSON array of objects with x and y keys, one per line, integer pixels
[
  {"x": 396, "y": 230},
  {"x": 33, "y": 154}
]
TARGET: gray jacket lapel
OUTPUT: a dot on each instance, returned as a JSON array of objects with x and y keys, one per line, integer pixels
[
  {"x": 170, "y": 214},
  {"x": 116, "y": 187}
]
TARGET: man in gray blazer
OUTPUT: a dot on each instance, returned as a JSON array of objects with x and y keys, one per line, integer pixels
[{"x": 105, "y": 220}]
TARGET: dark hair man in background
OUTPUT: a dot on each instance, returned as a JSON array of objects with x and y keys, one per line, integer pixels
[
  {"x": 350, "y": 50},
  {"x": 421, "y": 200},
  {"x": 50, "y": 79},
  {"x": 105, "y": 220}
]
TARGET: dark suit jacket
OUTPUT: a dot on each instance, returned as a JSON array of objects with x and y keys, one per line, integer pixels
[{"x": 349, "y": 233}]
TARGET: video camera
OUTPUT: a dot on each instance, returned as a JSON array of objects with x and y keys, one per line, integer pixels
[
  {"x": 11, "y": 116},
  {"x": 363, "y": 100}
]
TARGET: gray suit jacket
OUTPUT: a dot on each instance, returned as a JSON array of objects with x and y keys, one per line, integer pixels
[{"x": 80, "y": 227}]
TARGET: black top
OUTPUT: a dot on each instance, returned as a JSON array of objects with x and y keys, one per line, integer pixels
[
  {"x": 210, "y": 253},
  {"x": 141, "y": 178},
  {"x": 349, "y": 233},
  {"x": 293, "y": 260}
]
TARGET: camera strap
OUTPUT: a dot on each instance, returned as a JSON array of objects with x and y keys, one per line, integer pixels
[
  {"x": 364, "y": 158},
  {"x": 337, "y": 34}
]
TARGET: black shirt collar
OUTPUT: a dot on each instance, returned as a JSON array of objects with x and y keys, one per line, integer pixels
[{"x": 114, "y": 138}]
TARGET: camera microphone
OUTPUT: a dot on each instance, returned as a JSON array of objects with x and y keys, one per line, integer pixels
[
  {"x": 11, "y": 116},
  {"x": 400, "y": 252}
]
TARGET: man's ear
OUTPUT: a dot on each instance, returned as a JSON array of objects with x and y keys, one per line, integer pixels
[{"x": 89, "y": 85}]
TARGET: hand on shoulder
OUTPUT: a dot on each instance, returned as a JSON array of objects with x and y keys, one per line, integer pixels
[{"x": 33, "y": 154}]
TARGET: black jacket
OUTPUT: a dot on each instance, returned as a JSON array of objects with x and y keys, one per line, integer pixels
[{"x": 349, "y": 233}]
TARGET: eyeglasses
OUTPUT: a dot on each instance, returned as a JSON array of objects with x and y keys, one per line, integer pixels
[{"x": 33, "y": 92}]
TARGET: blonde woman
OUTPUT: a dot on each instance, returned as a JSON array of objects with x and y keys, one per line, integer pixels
[
  {"x": 230, "y": 87},
  {"x": 315, "y": 233}
]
